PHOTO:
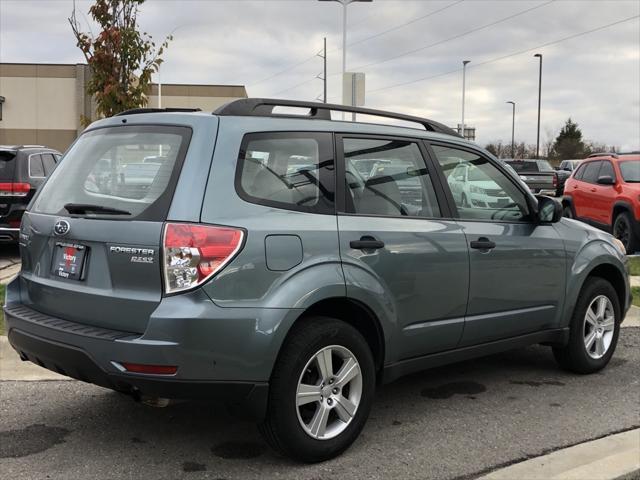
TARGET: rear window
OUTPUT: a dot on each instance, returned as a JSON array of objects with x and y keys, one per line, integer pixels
[
  {"x": 544, "y": 166},
  {"x": 7, "y": 166},
  {"x": 523, "y": 166},
  {"x": 107, "y": 168}
]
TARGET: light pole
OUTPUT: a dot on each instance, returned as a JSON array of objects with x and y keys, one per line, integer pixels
[
  {"x": 345, "y": 4},
  {"x": 513, "y": 130},
  {"x": 539, "y": 55},
  {"x": 464, "y": 84}
]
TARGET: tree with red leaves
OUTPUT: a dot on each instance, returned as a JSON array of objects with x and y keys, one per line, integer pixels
[{"x": 121, "y": 58}]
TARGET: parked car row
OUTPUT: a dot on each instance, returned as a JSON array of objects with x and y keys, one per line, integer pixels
[
  {"x": 539, "y": 175},
  {"x": 604, "y": 191},
  {"x": 23, "y": 168}
]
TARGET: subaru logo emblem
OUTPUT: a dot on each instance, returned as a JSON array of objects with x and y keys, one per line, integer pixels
[{"x": 61, "y": 227}]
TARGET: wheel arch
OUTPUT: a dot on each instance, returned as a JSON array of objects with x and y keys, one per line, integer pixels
[
  {"x": 354, "y": 313},
  {"x": 618, "y": 208}
]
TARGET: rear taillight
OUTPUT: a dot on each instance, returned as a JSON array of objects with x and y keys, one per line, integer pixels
[
  {"x": 555, "y": 180},
  {"x": 195, "y": 253},
  {"x": 150, "y": 369},
  {"x": 14, "y": 189}
]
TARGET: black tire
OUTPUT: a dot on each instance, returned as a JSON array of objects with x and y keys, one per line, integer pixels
[
  {"x": 624, "y": 229},
  {"x": 281, "y": 428},
  {"x": 574, "y": 356},
  {"x": 567, "y": 211},
  {"x": 559, "y": 191}
]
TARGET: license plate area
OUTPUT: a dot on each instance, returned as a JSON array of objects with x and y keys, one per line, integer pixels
[{"x": 68, "y": 260}]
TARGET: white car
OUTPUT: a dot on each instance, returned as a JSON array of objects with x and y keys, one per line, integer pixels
[{"x": 471, "y": 187}]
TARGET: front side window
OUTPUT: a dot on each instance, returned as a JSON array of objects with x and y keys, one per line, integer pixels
[
  {"x": 36, "y": 170},
  {"x": 607, "y": 170},
  {"x": 290, "y": 170},
  {"x": 106, "y": 170},
  {"x": 483, "y": 192},
  {"x": 397, "y": 182},
  {"x": 591, "y": 171},
  {"x": 579, "y": 172}
]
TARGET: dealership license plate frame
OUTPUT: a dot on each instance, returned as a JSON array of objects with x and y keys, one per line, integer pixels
[{"x": 70, "y": 267}]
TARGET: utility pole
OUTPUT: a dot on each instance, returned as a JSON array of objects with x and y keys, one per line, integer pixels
[
  {"x": 324, "y": 71},
  {"x": 464, "y": 84},
  {"x": 513, "y": 130},
  {"x": 539, "y": 55}
]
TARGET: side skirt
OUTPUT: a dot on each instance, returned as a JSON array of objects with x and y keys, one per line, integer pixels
[{"x": 396, "y": 370}]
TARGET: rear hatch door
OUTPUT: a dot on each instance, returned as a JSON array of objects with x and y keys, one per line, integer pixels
[{"x": 91, "y": 242}]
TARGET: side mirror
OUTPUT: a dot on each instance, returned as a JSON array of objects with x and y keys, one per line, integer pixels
[
  {"x": 606, "y": 180},
  {"x": 549, "y": 209}
]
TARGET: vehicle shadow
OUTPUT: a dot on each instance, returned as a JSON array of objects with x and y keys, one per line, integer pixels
[{"x": 198, "y": 433}]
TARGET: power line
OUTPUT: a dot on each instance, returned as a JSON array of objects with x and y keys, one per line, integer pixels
[
  {"x": 293, "y": 87},
  {"x": 302, "y": 62},
  {"x": 520, "y": 52},
  {"x": 397, "y": 27},
  {"x": 455, "y": 37},
  {"x": 290, "y": 67}
]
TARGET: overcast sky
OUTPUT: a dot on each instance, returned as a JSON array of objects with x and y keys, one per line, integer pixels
[{"x": 411, "y": 52}]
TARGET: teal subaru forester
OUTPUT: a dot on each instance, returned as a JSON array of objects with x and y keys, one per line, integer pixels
[{"x": 288, "y": 263}]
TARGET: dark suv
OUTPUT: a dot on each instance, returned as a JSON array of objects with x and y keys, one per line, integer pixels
[
  {"x": 23, "y": 168},
  {"x": 255, "y": 262}
]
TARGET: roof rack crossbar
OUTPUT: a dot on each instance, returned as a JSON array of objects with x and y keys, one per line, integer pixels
[
  {"x": 603, "y": 154},
  {"x": 136, "y": 111},
  {"x": 263, "y": 107}
]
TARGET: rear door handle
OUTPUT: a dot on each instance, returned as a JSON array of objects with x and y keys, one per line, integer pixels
[
  {"x": 366, "y": 243},
  {"x": 483, "y": 243}
]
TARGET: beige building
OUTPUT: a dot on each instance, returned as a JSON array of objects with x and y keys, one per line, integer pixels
[{"x": 43, "y": 103}]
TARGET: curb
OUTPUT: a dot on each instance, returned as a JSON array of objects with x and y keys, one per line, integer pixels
[{"x": 615, "y": 457}]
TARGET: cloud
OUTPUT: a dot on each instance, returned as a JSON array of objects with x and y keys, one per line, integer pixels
[{"x": 594, "y": 79}]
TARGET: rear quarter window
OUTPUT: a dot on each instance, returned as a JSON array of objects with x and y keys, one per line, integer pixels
[{"x": 288, "y": 170}]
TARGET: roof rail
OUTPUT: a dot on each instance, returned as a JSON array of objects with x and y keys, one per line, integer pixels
[
  {"x": 263, "y": 107},
  {"x": 604, "y": 154},
  {"x": 136, "y": 111}
]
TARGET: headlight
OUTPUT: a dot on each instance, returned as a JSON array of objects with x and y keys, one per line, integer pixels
[
  {"x": 620, "y": 246},
  {"x": 474, "y": 189}
]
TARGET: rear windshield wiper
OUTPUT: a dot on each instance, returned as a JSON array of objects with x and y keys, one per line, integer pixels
[{"x": 82, "y": 208}]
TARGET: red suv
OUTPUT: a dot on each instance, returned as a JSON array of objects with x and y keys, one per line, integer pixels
[{"x": 605, "y": 192}]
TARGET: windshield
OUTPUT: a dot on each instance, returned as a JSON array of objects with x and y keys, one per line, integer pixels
[
  {"x": 130, "y": 168},
  {"x": 630, "y": 171}
]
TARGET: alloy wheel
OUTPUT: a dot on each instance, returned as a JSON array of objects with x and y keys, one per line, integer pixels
[
  {"x": 599, "y": 326},
  {"x": 328, "y": 393}
]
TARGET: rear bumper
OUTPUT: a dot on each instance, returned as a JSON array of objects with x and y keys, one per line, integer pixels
[
  {"x": 74, "y": 362},
  {"x": 221, "y": 353},
  {"x": 9, "y": 234}
]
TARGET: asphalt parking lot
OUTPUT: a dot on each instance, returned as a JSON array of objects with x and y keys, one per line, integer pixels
[{"x": 453, "y": 422}]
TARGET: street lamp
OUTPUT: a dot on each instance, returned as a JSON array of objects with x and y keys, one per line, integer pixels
[
  {"x": 464, "y": 83},
  {"x": 513, "y": 129},
  {"x": 539, "y": 55},
  {"x": 345, "y": 4}
]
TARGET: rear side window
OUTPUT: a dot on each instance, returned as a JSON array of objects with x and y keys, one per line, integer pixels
[
  {"x": 106, "y": 167},
  {"x": 397, "y": 182},
  {"x": 36, "y": 170},
  {"x": 7, "y": 165},
  {"x": 591, "y": 172},
  {"x": 48, "y": 162},
  {"x": 289, "y": 170},
  {"x": 579, "y": 172}
]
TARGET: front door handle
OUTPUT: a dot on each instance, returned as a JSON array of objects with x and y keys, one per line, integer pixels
[
  {"x": 366, "y": 243},
  {"x": 483, "y": 244}
]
